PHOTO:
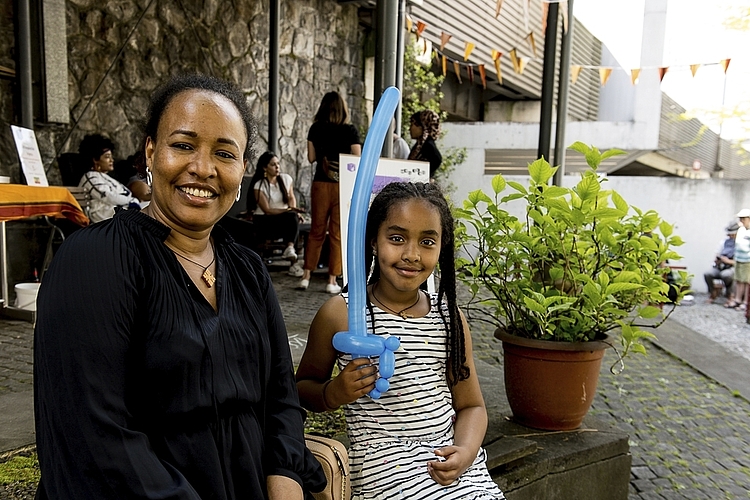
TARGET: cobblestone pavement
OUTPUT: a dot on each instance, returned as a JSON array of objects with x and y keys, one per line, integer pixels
[{"x": 689, "y": 436}]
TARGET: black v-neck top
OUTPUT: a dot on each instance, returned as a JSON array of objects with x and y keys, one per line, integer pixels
[{"x": 142, "y": 390}]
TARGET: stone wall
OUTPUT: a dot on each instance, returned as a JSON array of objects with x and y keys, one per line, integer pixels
[{"x": 320, "y": 50}]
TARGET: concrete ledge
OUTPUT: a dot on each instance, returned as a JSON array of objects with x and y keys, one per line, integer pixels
[
  {"x": 16, "y": 420},
  {"x": 589, "y": 463}
]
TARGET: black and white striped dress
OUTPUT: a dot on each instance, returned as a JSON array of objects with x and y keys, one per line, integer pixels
[{"x": 393, "y": 437}]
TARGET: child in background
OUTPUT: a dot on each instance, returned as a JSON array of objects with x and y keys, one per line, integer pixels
[{"x": 422, "y": 438}]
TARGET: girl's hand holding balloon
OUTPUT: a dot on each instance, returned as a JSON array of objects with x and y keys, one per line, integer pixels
[
  {"x": 355, "y": 380},
  {"x": 455, "y": 461}
]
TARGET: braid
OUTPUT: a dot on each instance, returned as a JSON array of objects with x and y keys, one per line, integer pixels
[{"x": 389, "y": 196}]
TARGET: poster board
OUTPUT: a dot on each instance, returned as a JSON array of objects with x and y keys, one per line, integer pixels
[
  {"x": 388, "y": 170},
  {"x": 28, "y": 153}
]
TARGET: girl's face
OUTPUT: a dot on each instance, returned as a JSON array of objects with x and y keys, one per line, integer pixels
[
  {"x": 415, "y": 130},
  {"x": 408, "y": 244},
  {"x": 196, "y": 160},
  {"x": 272, "y": 169}
]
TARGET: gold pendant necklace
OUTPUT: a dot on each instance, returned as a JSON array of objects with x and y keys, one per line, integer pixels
[
  {"x": 208, "y": 277},
  {"x": 402, "y": 312}
]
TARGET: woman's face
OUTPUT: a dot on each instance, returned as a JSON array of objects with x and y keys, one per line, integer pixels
[
  {"x": 197, "y": 160},
  {"x": 415, "y": 130},
  {"x": 105, "y": 163},
  {"x": 272, "y": 169}
]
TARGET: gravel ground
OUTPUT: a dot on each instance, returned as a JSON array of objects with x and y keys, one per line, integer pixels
[{"x": 722, "y": 325}]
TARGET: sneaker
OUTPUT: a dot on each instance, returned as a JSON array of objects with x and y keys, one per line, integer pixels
[
  {"x": 333, "y": 288},
  {"x": 290, "y": 254},
  {"x": 296, "y": 270},
  {"x": 303, "y": 284}
]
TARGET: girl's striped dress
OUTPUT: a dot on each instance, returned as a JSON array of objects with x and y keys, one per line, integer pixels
[{"x": 393, "y": 437}]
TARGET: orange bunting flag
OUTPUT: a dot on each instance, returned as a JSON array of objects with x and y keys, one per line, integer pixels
[
  {"x": 530, "y": 38},
  {"x": 496, "y": 59},
  {"x": 694, "y": 68},
  {"x": 420, "y": 28},
  {"x": 424, "y": 46},
  {"x": 575, "y": 70},
  {"x": 564, "y": 9},
  {"x": 522, "y": 64},
  {"x": 457, "y": 69},
  {"x": 604, "y": 74},
  {"x": 497, "y": 7},
  {"x": 634, "y": 74},
  {"x": 545, "y": 13},
  {"x": 445, "y": 63},
  {"x": 467, "y": 50},
  {"x": 725, "y": 64},
  {"x": 662, "y": 72},
  {"x": 409, "y": 24},
  {"x": 444, "y": 37},
  {"x": 470, "y": 72},
  {"x": 483, "y": 76},
  {"x": 514, "y": 60}
]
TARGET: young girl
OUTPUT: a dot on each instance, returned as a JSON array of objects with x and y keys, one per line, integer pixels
[{"x": 421, "y": 439}]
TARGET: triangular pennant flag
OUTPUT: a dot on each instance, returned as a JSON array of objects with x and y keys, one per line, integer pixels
[
  {"x": 470, "y": 72},
  {"x": 575, "y": 70},
  {"x": 564, "y": 8},
  {"x": 424, "y": 46},
  {"x": 530, "y": 38},
  {"x": 445, "y": 63},
  {"x": 694, "y": 68},
  {"x": 497, "y": 7},
  {"x": 514, "y": 60},
  {"x": 483, "y": 76},
  {"x": 467, "y": 50},
  {"x": 457, "y": 69},
  {"x": 634, "y": 74},
  {"x": 522, "y": 64},
  {"x": 409, "y": 24},
  {"x": 444, "y": 37},
  {"x": 496, "y": 59},
  {"x": 545, "y": 13},
  {"x": 725, "y": 64},
  {"x": 420, "y": 28},
  {"x": 663, "y": 71},
  {"x": 604, "y": 75}
]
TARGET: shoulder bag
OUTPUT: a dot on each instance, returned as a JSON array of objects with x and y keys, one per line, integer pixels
[{"x": 334, "y": 459}]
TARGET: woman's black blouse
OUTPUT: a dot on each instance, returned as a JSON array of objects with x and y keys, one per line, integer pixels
[
  {"x": 430, "y": 153},
  {"x": 142, "y": 390}
]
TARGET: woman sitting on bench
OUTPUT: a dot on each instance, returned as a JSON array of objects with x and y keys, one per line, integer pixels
[{"x": 274, "y": 207}]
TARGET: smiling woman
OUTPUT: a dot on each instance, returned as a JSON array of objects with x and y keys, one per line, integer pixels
[{"x": 168, "y": 373}]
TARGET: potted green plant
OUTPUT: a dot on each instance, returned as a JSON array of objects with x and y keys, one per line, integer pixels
[{"x": 582, "y": 271}]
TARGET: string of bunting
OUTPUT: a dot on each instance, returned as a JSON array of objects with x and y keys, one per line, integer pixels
[{"x": 519, "y": 62}]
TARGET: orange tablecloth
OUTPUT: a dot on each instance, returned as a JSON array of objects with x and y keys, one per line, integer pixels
[{"x": 18, "y": 201}]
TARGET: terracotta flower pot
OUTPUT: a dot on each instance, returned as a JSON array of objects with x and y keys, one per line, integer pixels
[{"x": 550, "y": 385}]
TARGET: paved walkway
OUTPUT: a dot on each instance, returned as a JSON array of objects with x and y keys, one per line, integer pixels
[{"x": 685, "y": 405}]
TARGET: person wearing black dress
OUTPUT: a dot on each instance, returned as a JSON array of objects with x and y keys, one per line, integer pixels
[
  {"x": 424, "y": 126},
  {"x": 162, "y": 367}
]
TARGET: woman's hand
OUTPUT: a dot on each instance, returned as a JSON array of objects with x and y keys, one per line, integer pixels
[
  {"x": 355, "y": 380},
  {"x": 456, "y": 460}
]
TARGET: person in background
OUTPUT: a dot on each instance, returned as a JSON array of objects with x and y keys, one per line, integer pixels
[
  {"x": 274, "y": 207},
  {"x": 126, "y": 173},
  {"x": 723, "y": 268},
  {"x": 166, "y": 371},
  {"x": 330, "y": 135},
  {"x": 400, "y": 146},
  {"x": 742, "y": 260},
  {"x": 425, "y": 128},
  {"x": 104, "y": 192}
]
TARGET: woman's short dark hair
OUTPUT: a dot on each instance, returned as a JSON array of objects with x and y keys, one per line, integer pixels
[
  {"x": 93, "y": 146},
  {"x": 163, "y": 95}
]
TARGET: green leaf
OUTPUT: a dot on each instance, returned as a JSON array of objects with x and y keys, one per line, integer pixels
[
  {"x": 534, "y": 305},
  {"x": 556, "y": 273},
  {"x": 588, "y": 187},
  {"x": 611, "y": 152},
  {"x": 649, "y": 312},
  {"x": 627, "y": 276},
  {"x": 619, "y": 202},
  {"x": 511, "y": 197},
  {"x": 613, "y": 288},
  {"x": 518, "y": 187},
  {"x": 580, "y": 147},
  {"x": 540, "y": 171},
  {"x": 555, "y": 191},
  {"x": 665, "y": 228},
  {"x": 498, "y": 184}
]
